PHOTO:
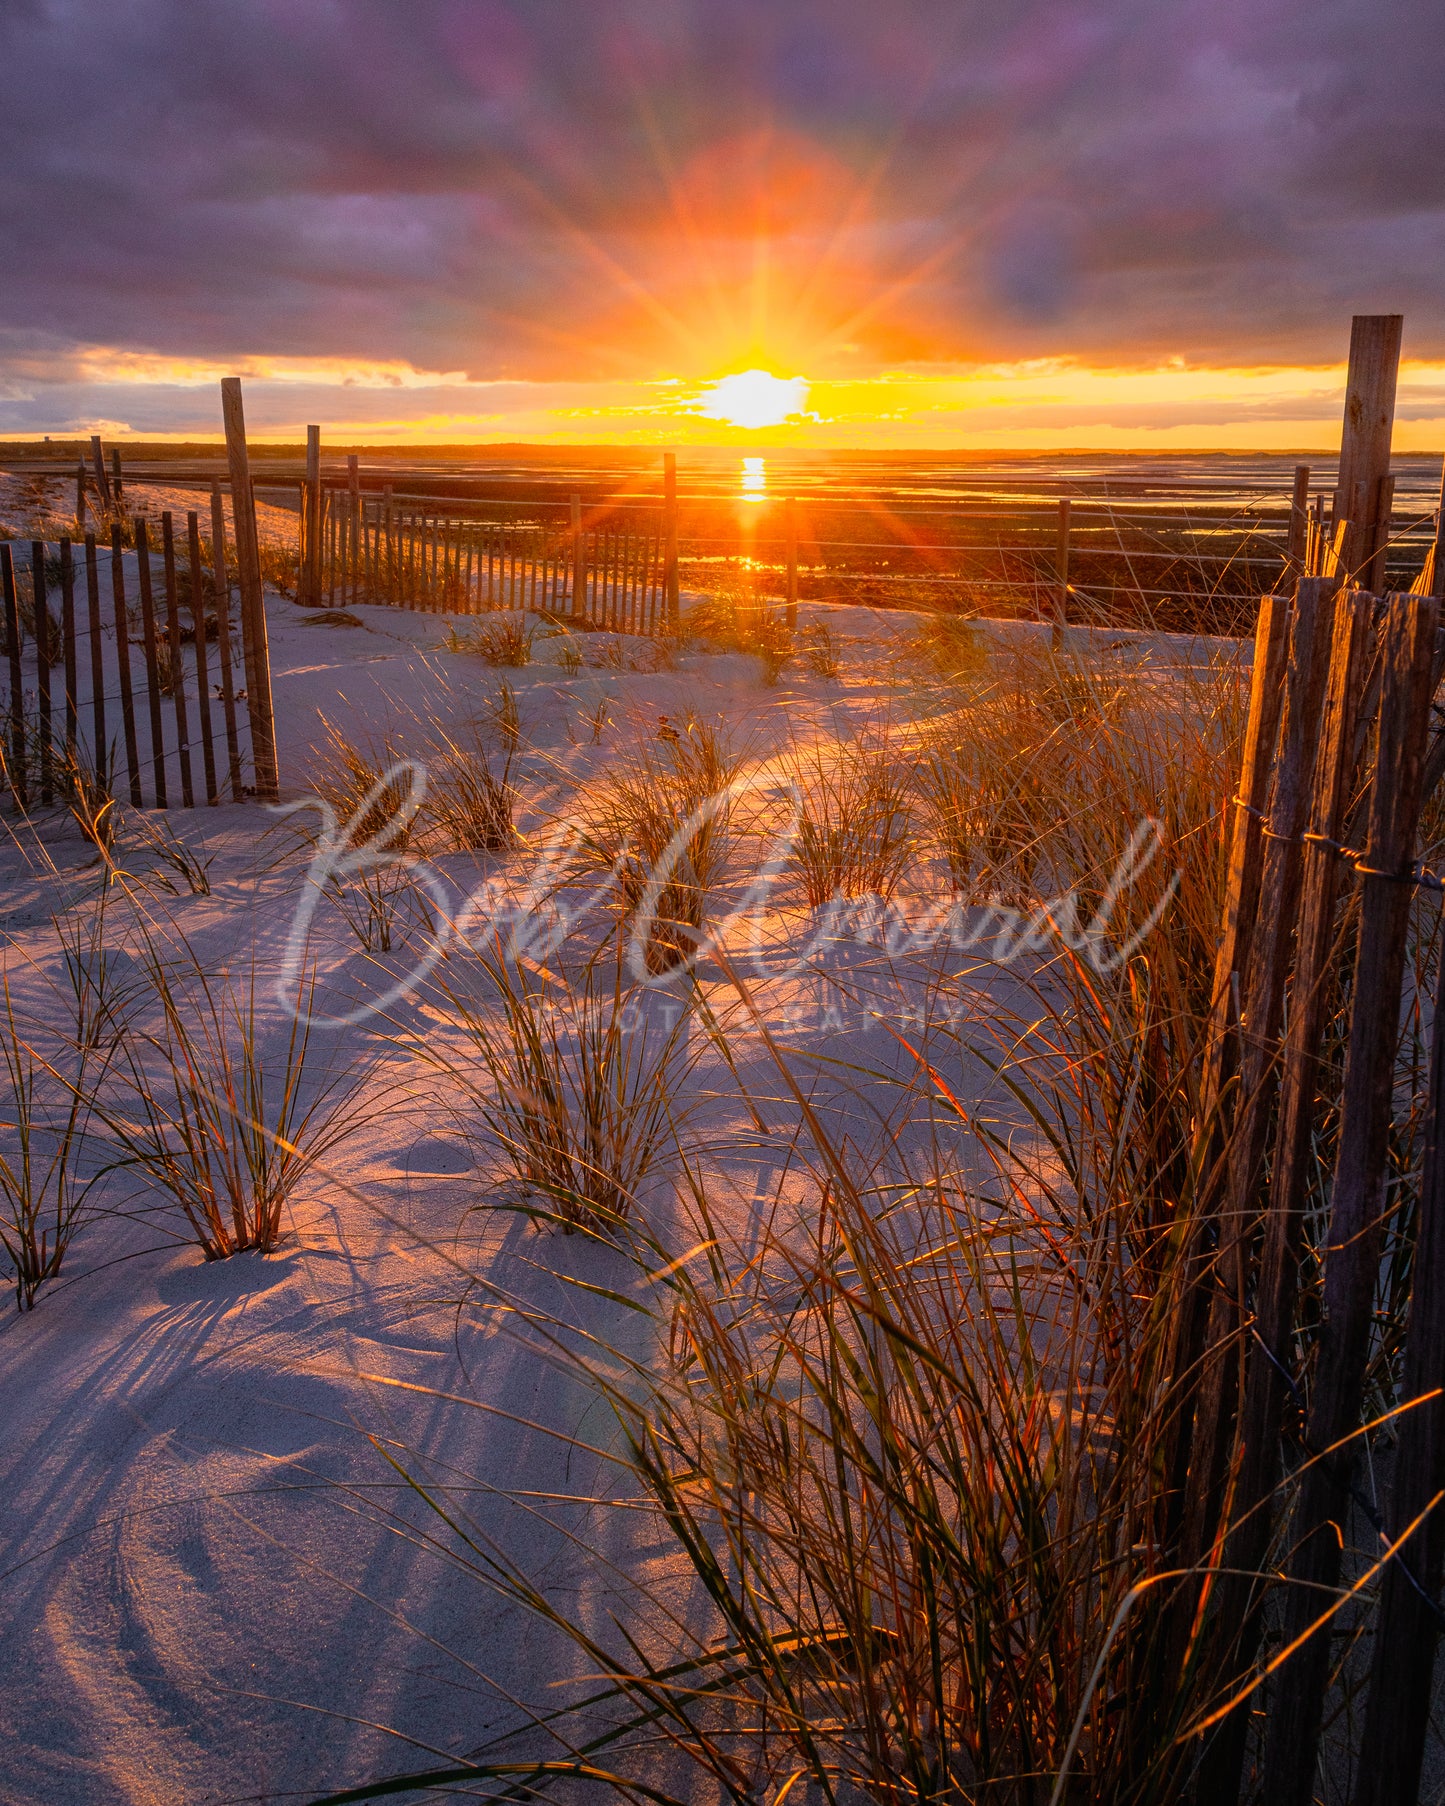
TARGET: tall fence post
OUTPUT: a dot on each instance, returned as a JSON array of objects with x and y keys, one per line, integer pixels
[
  {"x": 102, "y": 481},
  {"x": 790, "y": 520},
  {"x": 80, "y": 497},
  {"x": 1299, "y": 522},
  {"x": 671, "y": 581},
  {"x": 117, "y": 480},
  {"x": 579, "y": 568},
  {"x": 311, "y": 567},
  {"x": 1365, "y": 440},
  {"x": 1061, "y": 575},
  {"x": 1352, "y": 1243},
  {"x": 253, "y": 606},
  {"x": 353, "y": 524}
]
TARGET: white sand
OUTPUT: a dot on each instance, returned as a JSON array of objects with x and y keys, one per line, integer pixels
[{"x": 215, "y": 1588}]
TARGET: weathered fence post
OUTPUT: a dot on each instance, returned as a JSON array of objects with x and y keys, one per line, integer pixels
[
  {"x": 353, "y": 518},
  {"x": 80, "y": 496},
  {"x": 102, "y": 481},
  {"x": 579, "y": 568},
  {"x": 117, "y": 481},
  {"x": 1299, "y": 522},
  {"x": 1236, "y": 1625},
  {"x": 1365, "y": 442},
  {"x": 790, "y": 519},
  {"x": 311, "y": 558},
  {"x": 1061, "y": 574},
  {"x": 1241, "y": 895},
  {"x": 671, "y": 578},
  {"x": 1352, "y": 1244},
  {"x": 253, "y": 606}
]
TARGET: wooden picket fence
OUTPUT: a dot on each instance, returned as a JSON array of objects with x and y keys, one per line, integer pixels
[
  {"x": 404, "y": 554},
  {"x": 129, "y": 667},
  {"x": 1339, "y": 759}
]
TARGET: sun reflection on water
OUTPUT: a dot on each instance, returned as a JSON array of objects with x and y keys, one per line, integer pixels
[{"x": 753, "y": 481}]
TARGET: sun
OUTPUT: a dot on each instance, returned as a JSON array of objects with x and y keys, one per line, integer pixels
[{"x": 753, "y": 398}]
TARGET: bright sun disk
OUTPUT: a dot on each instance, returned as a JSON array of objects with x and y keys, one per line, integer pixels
[{"x": 752, "y": 398}]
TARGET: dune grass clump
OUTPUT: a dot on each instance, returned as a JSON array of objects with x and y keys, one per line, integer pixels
[
  {"x": 506, "y": 641},
  {"x": 576, "y": 1095},
  {"x": 222, "y": 1126},
  {"x": 853, "y": 835},
  {"x": 1041, "y": 779},
  {"x": 660, "y": 822},
  {"x": 734, "y": 619},
  {"x": 352, "y": 778},
  {"x": 45, "y": 1119},
  {"x": 820, "y": 652},
  {"x": 950, "y": 644}
]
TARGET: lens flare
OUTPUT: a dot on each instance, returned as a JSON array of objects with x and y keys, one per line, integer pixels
[{"x": 754, "y": 398}]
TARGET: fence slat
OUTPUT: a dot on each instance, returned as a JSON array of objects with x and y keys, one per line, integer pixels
[
  {"x": 254, "y": 645},
  {"x": 1407, "y": 1631},
  {"x": 122, "y": 654},
  {"x": 101, "y": 750},
  {"x": 178, "y": 659},
  {"x": 18, "y": 787},
  {"x": 223, "y": 642},
  {"x": 41, "y": 605},
  {"x": 69, "y": 648},
  {"x": 1352, "y": 1245},
  {"x": 200, "y": 629},
  {"x": 153, "y": 684}
]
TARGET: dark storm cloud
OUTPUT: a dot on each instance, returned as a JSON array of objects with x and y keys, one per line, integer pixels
[{"x": 533, "y": 188}]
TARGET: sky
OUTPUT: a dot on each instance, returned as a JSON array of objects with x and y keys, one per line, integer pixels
[{"x": 935, "y": 223}]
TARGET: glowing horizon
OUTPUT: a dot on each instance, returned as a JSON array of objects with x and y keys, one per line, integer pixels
[{"x": 1053, "y": 404}]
